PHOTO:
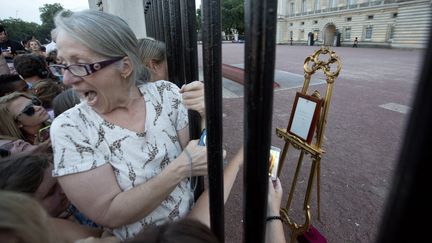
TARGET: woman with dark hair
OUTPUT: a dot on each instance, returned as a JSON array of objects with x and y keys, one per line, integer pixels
[{"x": 46, "y": 90}]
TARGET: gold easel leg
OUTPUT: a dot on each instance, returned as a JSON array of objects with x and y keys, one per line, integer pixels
[
  {"x": 319, "y": 189},
  {"x": 294, "y": 181},
  {"x": 282, "y": 158},
  {"x": 310, "y": 183}
]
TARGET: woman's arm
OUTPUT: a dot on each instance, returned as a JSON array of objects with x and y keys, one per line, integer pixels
[
  {"x": 201, "y": 211},
  {"x": 97, "y": 194},
  {"x": 274, "y": 228}
]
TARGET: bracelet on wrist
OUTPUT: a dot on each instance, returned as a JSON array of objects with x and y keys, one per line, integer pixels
[{"x": 270, "y": 218}]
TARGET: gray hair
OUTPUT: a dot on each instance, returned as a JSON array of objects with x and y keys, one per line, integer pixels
[
  {"x": 151, "y": 49},
  {"x": 105, "y": 34}
]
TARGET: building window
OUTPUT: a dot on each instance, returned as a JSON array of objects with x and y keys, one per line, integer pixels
[
  {"x": 292, "y": 8},
  {"x": 303, "y": 6},
  {"x": 370, "y": 17},
  {"x": 394, "y": 15},
  {"x": 351, "y": 2},
  {"x": 315, "y": 22},
  {"x": 368, "y": 32},
  {"x": 348, "y": 19},
  {"x": 317, "y": 4},
  {"x": 391, "y": 32},
  {"x": 302, "y": 23},
  {"x": 291, "y": 24},
  {"x": 347, "y": 33},
  {"x": 301, "y": 34},
  {"x": 332, "y": 3}
]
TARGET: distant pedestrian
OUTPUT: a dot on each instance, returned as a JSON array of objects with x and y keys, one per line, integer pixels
[
  {"x": 291, "y": 41},
  {"x": 355, "y": 42}
]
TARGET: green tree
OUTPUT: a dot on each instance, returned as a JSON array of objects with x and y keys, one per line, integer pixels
[
  {"x": 232, "y": 16},
  {"x": 19, "y": 30},
  {"x": 47, "y": 13}
]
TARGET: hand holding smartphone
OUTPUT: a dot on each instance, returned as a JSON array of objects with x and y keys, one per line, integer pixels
[{"x": 274, "y": 162}]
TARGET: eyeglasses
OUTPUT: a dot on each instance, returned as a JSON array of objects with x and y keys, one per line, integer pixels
[
  {"x": 81, "y": 69},
  {"x": 29, "y": 110}
]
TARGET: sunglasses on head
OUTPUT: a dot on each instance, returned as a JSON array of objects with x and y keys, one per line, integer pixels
[{"x": 29, "y": 110}]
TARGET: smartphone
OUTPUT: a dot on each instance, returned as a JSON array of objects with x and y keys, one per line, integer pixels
[
  {"x": 203, "y": 138},
  {"x": 274, "y": 162},
  {"x": 43, "y": 134}
]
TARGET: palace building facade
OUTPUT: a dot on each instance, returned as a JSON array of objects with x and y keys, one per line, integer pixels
[{"x": 382, "y": 23}]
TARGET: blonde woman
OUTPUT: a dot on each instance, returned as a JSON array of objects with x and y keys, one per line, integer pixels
[
  {"x": 22, "y": 116},
  {"x": 153, "y": 55},
  {"x": 22, "y": 219}
]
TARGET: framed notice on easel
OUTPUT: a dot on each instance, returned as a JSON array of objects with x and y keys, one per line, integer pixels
[{"x": 304, "y": 116}]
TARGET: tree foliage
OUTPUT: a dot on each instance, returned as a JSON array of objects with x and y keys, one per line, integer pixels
[
  {"x": 232, "y": 12},
  {"x": 233, "y": 15},
  {"x": 47, "y": 14},
  {"x": 20, "y": 30}
]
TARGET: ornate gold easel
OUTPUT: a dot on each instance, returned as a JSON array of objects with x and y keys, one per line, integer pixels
[{"x": 311, "y": 65}]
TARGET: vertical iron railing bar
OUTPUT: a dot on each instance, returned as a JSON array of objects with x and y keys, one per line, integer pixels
[
  {"x": 160, "y": 22},
  {"x": 146, "y": 17},
  {"x": 168, "y": 41},
  {"x": 152, "y": 22},
  {"x": 260, "y": 46},
  {"x": 176, "y": 43},
  {"x": 156, "y": 20},
  {"x": 188, "y": 18},
  {"x": 212, "y": 65}
]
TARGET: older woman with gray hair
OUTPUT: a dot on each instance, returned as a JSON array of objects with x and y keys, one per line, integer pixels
[{"x": 123, "y": 155}]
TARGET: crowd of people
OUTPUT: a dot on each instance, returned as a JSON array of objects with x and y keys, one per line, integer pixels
[{"x": 95, "y": 141}]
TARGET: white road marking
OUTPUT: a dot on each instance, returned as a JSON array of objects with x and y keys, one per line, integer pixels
[{"x": 396, "y": 107}]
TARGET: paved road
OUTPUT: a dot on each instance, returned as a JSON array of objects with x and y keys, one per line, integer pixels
[{"x": 370, "y": 105}]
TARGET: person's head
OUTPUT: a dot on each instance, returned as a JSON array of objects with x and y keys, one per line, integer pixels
[
  {"x": 182, "y": 231},
  {"x": 22, "y": 219},
  {"x": 51, "y": 57},
  {"x": 26, "y": 42},
  {"x": 153, "y": 55},
  {"x": 11, "y": 145},
  {"x": 31, "y": 65},
  {"x": 10, "y": 83},
  {"x": 64, "y": 101},
  {"x": 21, "y": 114},
  {"x": 3, "y": 34},
  {"x": 31, "y": 174},
  {"x": 35, "y": 45},
  {"x": 109, "y": 48},
  {"x": 46, "y": 90}
]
